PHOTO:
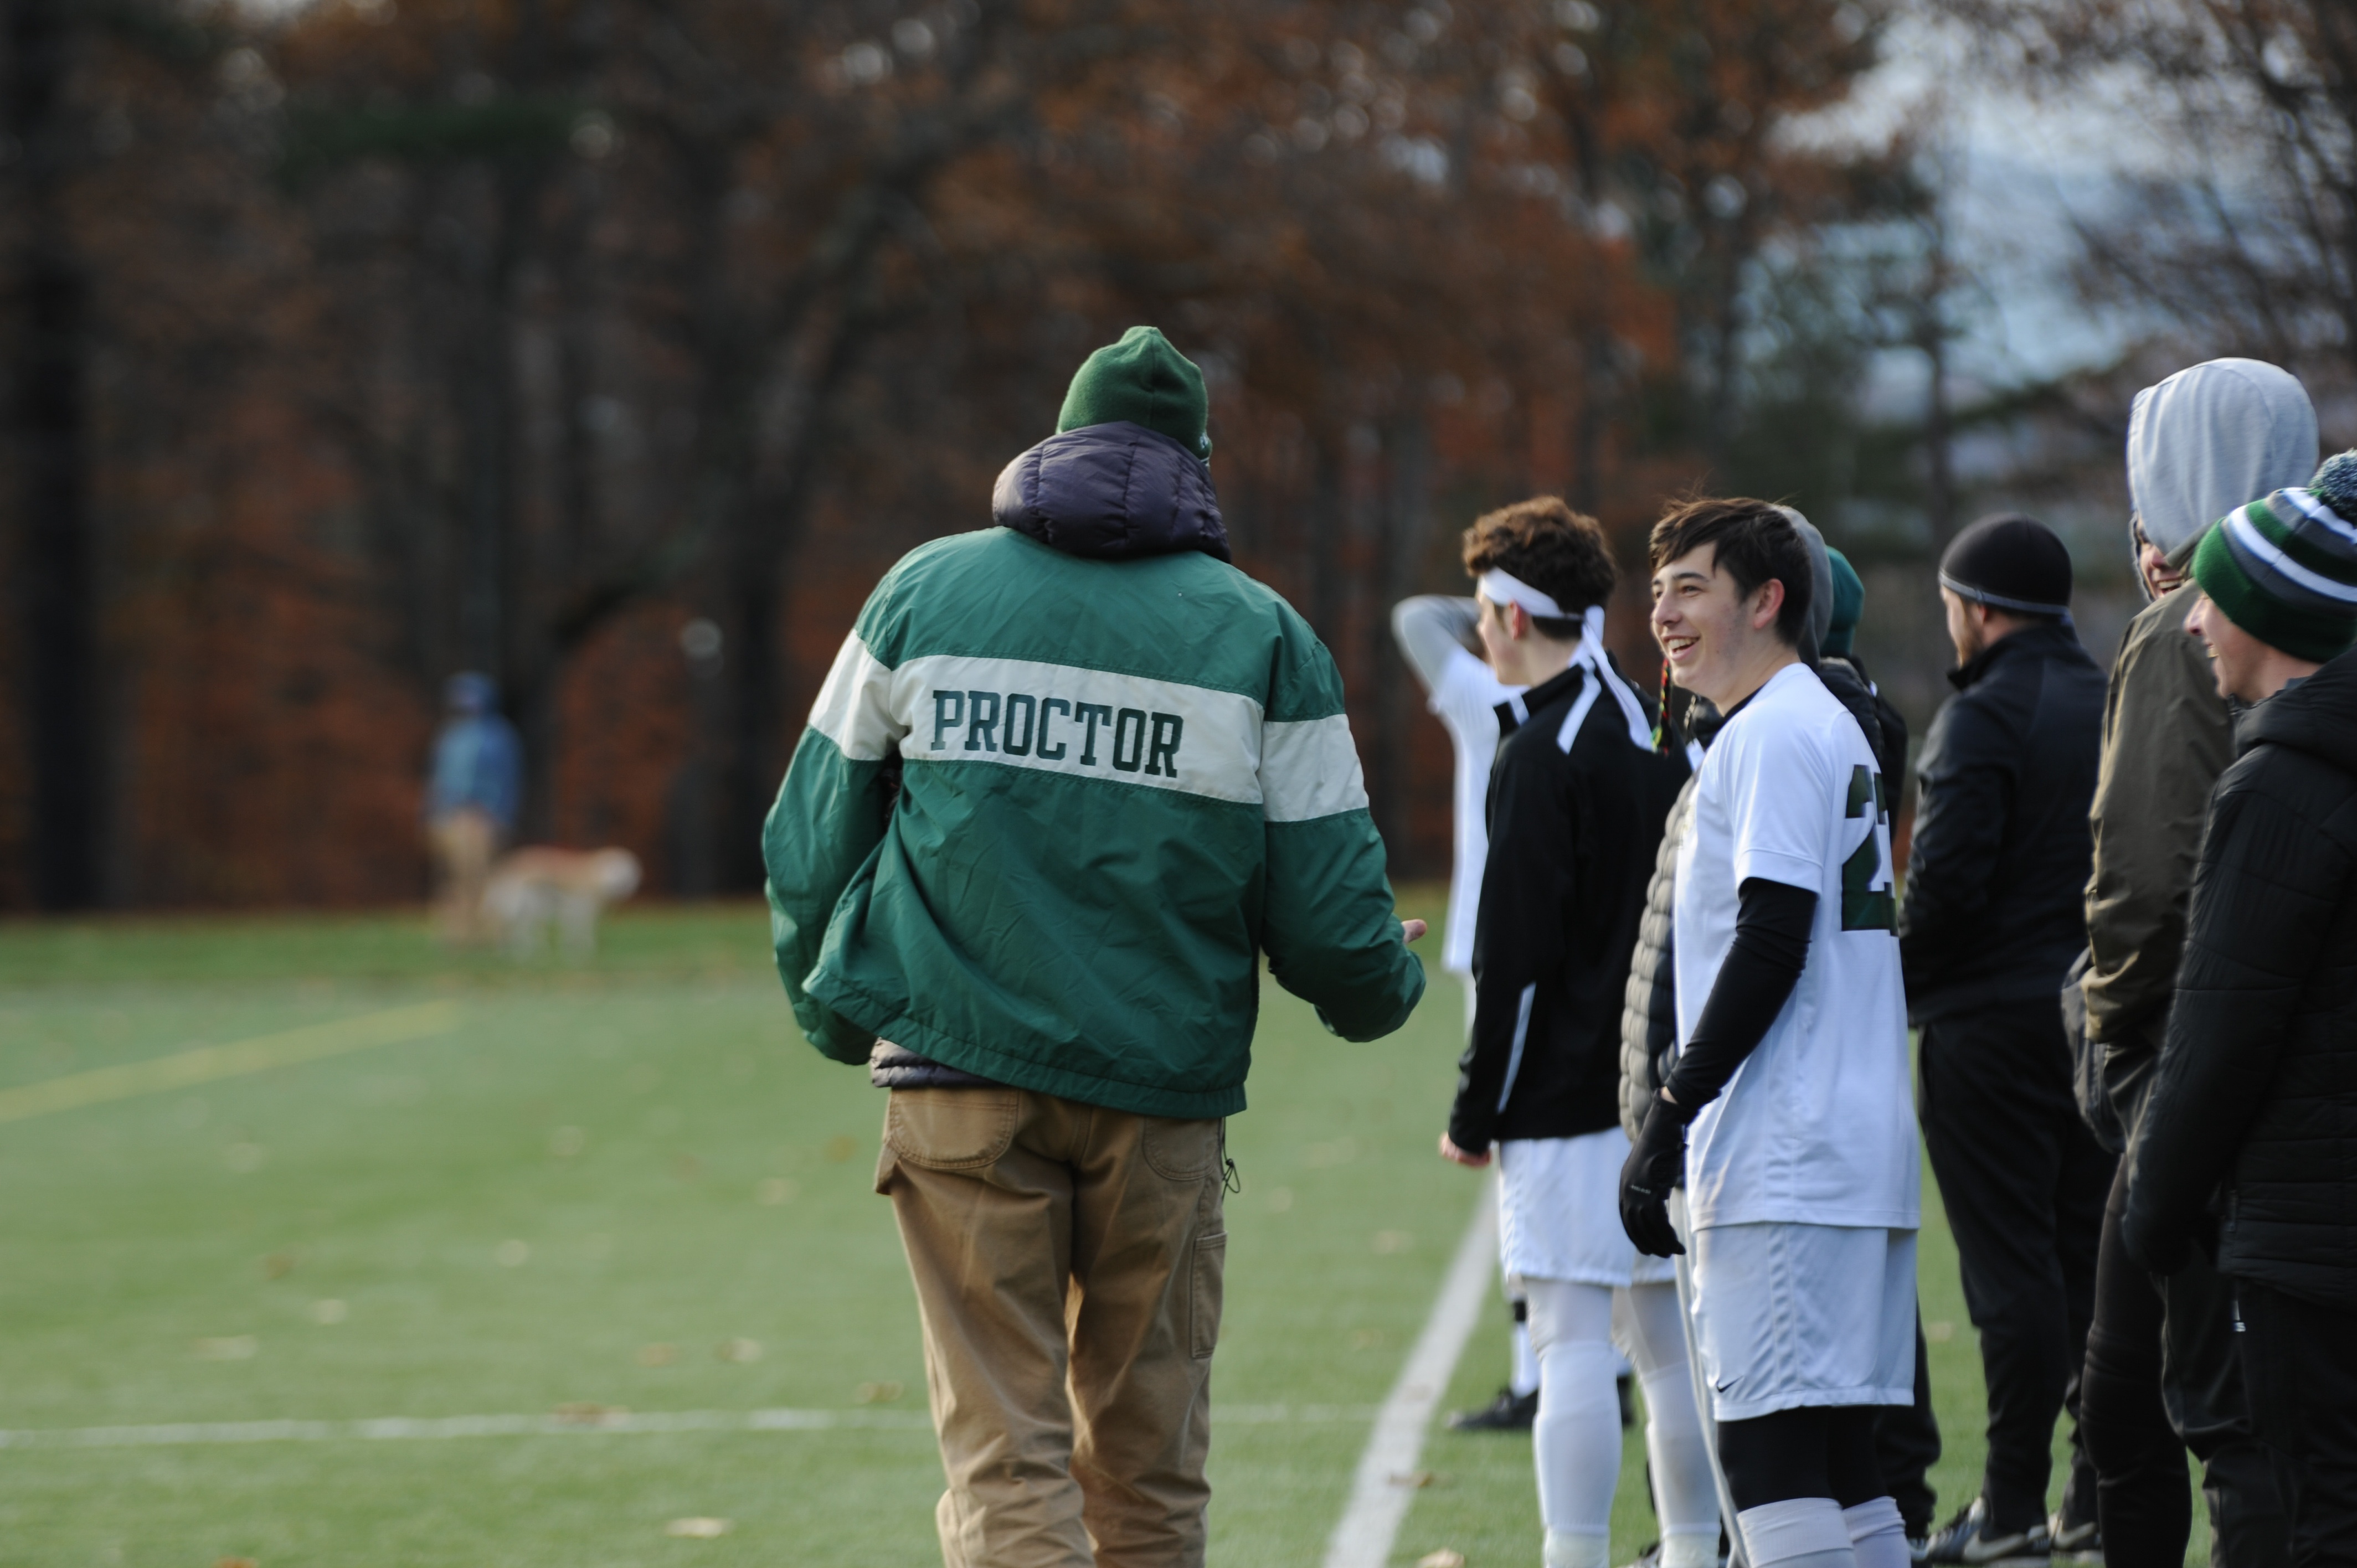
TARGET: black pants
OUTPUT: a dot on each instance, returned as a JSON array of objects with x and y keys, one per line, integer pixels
[
  {"x": 2299, "y": 1364},
  {"x": 2161, "y": 1378},
  {"x": 1907, "y": 1444},
  {"x": 2024, "y": 1182}
]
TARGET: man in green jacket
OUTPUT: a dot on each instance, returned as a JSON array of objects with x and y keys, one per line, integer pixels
[
  {"x": 2160, "y": 1374},
  {"x": 1068, "y": 777}
]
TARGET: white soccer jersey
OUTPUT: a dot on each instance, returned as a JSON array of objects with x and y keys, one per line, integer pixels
[
  {"x": 1817, "y": 1127},
  {"x": 1466, "y": 700}
]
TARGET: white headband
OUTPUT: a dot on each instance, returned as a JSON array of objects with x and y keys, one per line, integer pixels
[{"x": 1503, "y": 588}]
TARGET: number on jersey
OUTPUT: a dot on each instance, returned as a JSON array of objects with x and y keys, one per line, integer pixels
[{"x": 1865, "y": 908}]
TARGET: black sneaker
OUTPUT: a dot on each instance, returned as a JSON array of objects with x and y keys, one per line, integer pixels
[
  {"x": 1510, "y": 1412},
  {"x": 2075, "y": 1545},
  {"x": 1968, "y": 1539}
]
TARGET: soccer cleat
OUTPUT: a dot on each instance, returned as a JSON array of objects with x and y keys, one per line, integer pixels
[
  {"x": 1628, "y": 1405},
  {"x": 1510, "y": 1412},
  {"x": 2075, "y": 1545},
  {"x": 1969, "y": 1538}
]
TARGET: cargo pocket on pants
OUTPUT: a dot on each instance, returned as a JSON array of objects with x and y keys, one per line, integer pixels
[{"x": 1207, "y": 1269}]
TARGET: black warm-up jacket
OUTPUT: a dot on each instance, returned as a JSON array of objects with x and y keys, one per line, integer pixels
[
  {"x": 1996, "y": 877},
  {"x": 2254, "y": 1103},
  {"x": 1573, "y": 822}
]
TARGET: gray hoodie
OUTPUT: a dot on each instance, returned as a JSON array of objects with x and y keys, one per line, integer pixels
[
  {"x": 2203, "y": 441},
  {"x": 2213, "y": 437}
]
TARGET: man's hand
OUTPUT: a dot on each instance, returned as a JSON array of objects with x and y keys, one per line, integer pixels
[
  {"x": 1412, "y": 930},
  {"x": 1653, "y": 1166},
  {"x": 1448, "y": 1149}
]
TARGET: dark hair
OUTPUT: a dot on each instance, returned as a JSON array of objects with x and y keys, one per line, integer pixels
[
  {"x": 1756, "y": 542},
  {"x": 1555, "y": 550}
]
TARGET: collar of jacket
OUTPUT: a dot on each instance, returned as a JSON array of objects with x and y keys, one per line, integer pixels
[
  {"x": 1555, "y": 689},
  {"x": 2319, "y": 716},
  {"x": 2030, "y": 641},
  {"x": 1112, "y": 492}
]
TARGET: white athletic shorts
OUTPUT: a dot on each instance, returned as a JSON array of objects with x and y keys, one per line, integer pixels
[
  {"x": 1787, "y": 1315},
  {"x": 1560, "y": 1213}
]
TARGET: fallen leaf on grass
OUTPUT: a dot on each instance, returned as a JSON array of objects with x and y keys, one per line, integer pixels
[
  {"x": 277, "y": 1265},
  {"x": 840, "y": 1148},
  {"x": 738, "y": 1350},
  {"x": 237, "y": 1562},
  {"x": 585, "y": 1413},
  {"x": 1444, "y": 1558},
  {"x": 232, "y": 1348},
  {"x": 879, "y": 1393},
  {"x": 658, "y": 1355},
  {"x": 1414, "y": 1481},
  {"x": 1939, "y": 1333},
  {"x": 698, "y": 1528}
]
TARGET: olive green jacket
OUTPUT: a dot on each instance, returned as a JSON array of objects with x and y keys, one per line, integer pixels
[{"x": 2166, "y": 736}]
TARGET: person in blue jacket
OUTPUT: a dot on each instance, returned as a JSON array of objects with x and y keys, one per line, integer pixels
[{"x": 471, "y": 797}]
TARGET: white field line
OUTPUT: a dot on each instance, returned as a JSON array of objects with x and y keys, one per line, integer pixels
[
  {"x": 206, "y": 1063},
  {"x": 586, "y": 1423},
  {"x": 1386, "y": 1480}
]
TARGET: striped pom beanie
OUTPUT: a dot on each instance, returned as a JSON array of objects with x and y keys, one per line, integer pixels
[{"x": 2285, "y": 568}]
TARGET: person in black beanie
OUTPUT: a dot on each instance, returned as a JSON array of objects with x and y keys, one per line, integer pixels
[{"x": 1991, "y": 921}]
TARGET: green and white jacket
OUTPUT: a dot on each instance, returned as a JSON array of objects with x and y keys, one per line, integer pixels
[{"x": 1121, "y": 776}]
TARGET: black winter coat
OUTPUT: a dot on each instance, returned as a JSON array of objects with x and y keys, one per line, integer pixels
[
  {"x": 2254, "y": 1097},
  {"x": 1996, "y": 878},
  {"x": 1575, "y": 819}
]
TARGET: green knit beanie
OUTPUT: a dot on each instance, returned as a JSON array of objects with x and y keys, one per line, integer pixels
[
  {"x": 2285, "y": 568},
  {"x": 1144, "y": 380},
  {"x": 1849, "y": 604}
]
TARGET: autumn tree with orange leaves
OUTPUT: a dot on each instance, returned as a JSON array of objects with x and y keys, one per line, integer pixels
[{"x": 614, "y": 347}]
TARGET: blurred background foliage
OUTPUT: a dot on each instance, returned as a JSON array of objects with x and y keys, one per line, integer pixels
[{"x": 615, "y": 347}]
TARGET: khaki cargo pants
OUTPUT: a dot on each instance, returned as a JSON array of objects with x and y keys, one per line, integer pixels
[{"x": 1068, "y": 1265}]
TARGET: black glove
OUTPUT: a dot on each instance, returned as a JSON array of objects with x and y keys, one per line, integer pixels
[{"x": 1656, "y": 1164}]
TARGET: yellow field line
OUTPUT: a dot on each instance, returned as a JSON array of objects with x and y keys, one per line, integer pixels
[{"x": 206, "y": 1063}]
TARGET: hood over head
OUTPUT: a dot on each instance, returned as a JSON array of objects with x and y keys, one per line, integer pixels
[
  {"x": 2318, "y": 715},
  {"x": 2213, "y": 437},
  {"x": 1821, "y": 581},
  {"x": 1112, "y": 492}
]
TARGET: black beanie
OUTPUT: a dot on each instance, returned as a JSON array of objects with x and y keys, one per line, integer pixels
[{"x": 2010, "y": 562}]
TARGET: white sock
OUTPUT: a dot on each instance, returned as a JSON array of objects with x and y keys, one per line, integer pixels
[
  {"x": 1577, "y": 1551},
  {"x": 1576, "y": 1442},
  {"x": 1877, "y": 1535},
  {"x": 1800, "y": 1533},
  {"x": 1685, "y": 1499},
  {"x": 1690, "y": 1548},
  {"x": 1525, "y": 1379}
]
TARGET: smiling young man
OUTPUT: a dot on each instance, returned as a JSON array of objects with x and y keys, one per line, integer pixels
[
  {"x": 1574, "y": 809},
  {"x": 1787, "y": 1109}
]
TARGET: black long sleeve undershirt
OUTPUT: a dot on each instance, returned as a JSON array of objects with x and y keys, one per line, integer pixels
[{"x": 1762, "y": 965}]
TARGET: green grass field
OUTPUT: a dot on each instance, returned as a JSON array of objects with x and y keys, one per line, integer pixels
[{"x": 630, "y": 1185}]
